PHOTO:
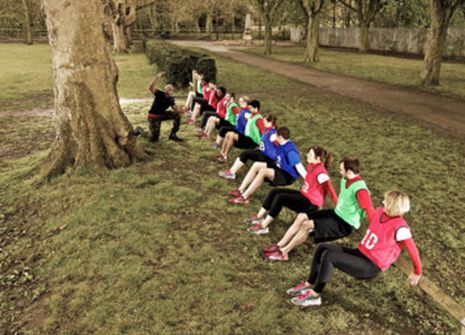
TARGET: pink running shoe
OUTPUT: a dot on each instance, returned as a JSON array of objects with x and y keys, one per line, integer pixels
[
  {"x": 226, "y": 174},
  {"x": 299, "y": 289},
  {"x": 258, "y": 229},
  {"x": 239, "y": 200},
  {"x": 271, "y": 249},
  {"x": 253, "y": 220},
  {"x": 221, "y": 158},
  {"x": 278, "y": 256},
  {"x": 190, "y": 121},
  {"x": 236, "y": 193}
]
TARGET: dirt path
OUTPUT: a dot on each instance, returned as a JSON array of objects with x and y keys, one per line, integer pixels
[{"x": 441, "y": 112}]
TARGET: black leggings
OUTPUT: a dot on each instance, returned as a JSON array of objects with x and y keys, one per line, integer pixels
[
  {"x": 350, "y": 261},
  {"x": 255, "y": 155},
  {"x": 204, "y": 105},
  {"x": 284, "y": 197}
]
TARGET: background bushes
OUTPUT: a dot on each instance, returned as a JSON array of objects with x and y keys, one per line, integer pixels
[{"x": 178, "y": 62}]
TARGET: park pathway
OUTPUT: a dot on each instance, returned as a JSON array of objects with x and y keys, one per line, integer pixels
[{"x": 443, "y": 113}]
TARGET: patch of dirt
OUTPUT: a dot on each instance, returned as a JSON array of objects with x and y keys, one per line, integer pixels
[
  {"x": 36, "y": 112},
  {"x": 438, "y": 112}
]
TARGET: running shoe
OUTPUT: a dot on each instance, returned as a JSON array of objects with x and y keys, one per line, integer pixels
[
  {"x": 258, "y": 230},
  {"x": 236, "y": 193},
  {"x": 271, "y": 249},
  {"x": 309, "y": 298},
  {"x": 278, "y": 256},
  {"x": 221, "y": 158},
  {"x": 253, "y": 220},
  {"x": 190, "y": 121},
  {"x": 239, "y": 200},
  {"x": 226, "y": 174},
  {"x": 299, "y": 289}
]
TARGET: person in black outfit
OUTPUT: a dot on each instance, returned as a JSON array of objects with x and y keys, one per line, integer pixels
[{"x": 159, "y": 110}]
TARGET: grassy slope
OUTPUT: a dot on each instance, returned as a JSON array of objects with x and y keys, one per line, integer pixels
[
  {"x": 155, "y": 248},
  {"x": 385, "y": 69}
]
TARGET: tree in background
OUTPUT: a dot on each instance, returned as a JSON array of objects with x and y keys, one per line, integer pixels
[
  {"x": 123, "y": 16},
  {"x": 92, "y": 131},
  {"x": 366, "y": 11},
  {"x": 27, "y": 23},
  {"x": 22, "y": 15},
  {"x": 313, "y": 9},
  {"x": 404, "y": 13},
  {"x": 441, "y": 13},
  {"x": 269, "y": 11}
]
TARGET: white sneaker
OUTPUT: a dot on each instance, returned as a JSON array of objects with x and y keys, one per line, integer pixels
[{"x": 309, "y": 298}]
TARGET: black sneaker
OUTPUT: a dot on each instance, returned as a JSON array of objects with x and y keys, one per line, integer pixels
[
  {"x": 137, "y": 131},
  {"x": 175, "y": 138}
]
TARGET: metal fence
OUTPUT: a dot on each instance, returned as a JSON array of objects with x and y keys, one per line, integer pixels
[{"x": 18, "y": 34}]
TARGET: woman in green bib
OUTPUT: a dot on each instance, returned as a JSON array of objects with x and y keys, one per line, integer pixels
[
  {"x": 251, "y": 137},
  {"x": 353, "y": 203}
]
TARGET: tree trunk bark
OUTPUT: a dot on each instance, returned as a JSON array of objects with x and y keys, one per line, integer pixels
[
  {"x": 346, "y": 15},
  {"x": 209, "y": 24},
  {"x": 268, "y": 34},
  {"x": 259, "y": 27},
  {"x": 197, "y": 26},
  {"x": 128, "y": 36},
  {"x": 363, "y": 42},
  {"x": 311, "y": 50},
  {"x": 334, "y": 15},
  {"x": 119, "y": 38},
  {"x": 27, "y": 24},
  {"x": 435, "y": 43},
  {"x": 233, "y": 25},
  {"x": 92, "y": 131}
]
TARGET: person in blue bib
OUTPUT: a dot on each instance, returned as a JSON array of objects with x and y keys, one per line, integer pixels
[
  {"x": 267, "y": 153},
  {"x": 287, "y": 168},
  {"x": 239, "y": 125}
]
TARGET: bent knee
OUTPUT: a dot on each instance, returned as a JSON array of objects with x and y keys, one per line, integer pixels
[
  {"x": 308, "y": 225},
  {"x": 302, "y": 217}
]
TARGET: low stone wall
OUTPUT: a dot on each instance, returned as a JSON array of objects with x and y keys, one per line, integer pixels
[{"x": 401, "y": 40}]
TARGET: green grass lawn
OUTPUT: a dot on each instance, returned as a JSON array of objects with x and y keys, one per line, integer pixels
[
  {"x": 385, "y": 69},
  {"x": 156, "y": 249},
  {"x": 26, "y": 76}
]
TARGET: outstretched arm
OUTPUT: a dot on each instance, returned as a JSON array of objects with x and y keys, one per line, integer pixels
[{"x": 153, "y": 84}]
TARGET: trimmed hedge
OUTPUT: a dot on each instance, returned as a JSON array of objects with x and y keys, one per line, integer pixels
[{"x": 178, "y": 62}]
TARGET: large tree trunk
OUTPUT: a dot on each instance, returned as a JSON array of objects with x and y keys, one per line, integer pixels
[
  {"x": 27, "y": 24},
  {"x": 434, "y": 48},
  {"x": 268, "y": 34},
  {"x": 363, "y": 42},
  {"x": 311, "y": 49},
  {"x": 92, "y": 131}
]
